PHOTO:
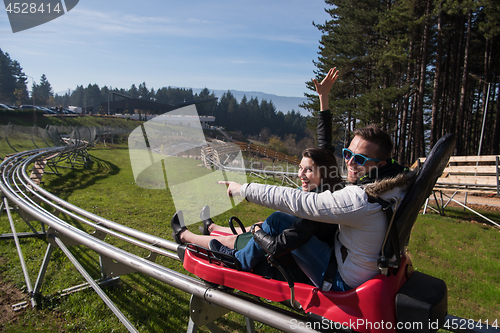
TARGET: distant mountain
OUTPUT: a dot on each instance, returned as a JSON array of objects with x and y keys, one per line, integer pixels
[{"x": 282, "y": 103}]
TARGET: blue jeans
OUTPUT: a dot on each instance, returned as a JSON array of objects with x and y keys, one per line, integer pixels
[
  {"x": 313, "y": 257},
  {"x": 339, "y": 284}
]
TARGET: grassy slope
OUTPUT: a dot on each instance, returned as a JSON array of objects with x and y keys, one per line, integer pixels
[{"x": 465, "y": 255}]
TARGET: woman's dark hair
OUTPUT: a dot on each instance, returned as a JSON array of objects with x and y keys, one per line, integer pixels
[{"x": 326, "y": 162}]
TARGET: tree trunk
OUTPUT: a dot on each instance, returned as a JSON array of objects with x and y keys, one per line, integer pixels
[
  {"x": 487, "y": 77},
  {"x": 403, "y": 149},
  {"x": 457, "y": 69},
  {"x": 437, "y": 81},
  {"x": 465, "y": 74},
  {"x": 419, "y": 113}
]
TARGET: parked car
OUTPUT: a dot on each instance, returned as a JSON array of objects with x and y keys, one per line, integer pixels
[
  {"x": 46, "y": 111},
  {"x": 29, "y": 107},
  {"x": 5, "y": 107}
]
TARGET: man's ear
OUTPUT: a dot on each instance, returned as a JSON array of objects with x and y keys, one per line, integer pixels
[{"x": 381, "y": 164}]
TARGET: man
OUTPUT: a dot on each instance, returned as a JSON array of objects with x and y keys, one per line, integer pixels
[{"x": 362, "y": 222}]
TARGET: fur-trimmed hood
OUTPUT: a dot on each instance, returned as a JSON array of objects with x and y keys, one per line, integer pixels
[{"x": 402, "y": 180}]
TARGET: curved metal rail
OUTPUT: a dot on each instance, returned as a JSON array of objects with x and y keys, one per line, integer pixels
[
  {"x": 17, "y": 189},
  {"x": 216, "y": 149},
  {"x": 217, "y": 153}
]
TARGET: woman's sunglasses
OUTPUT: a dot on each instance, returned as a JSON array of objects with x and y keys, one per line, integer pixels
[{"x": 358, "y": 158}]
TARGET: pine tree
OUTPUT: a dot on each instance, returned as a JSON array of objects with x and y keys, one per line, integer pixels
[
  {"x": 10, "y": 78},
  {"x": 143, "y": 91},
  {"x": 43, "y": 91},
  {"x": 133, "y": 92}
]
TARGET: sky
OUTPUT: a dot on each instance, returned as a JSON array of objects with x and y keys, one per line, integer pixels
[{"x": 257, "y": 45}]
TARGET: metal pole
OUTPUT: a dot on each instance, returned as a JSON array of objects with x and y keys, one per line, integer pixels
[
  {"x": 19, "y": 251},
  {"x": 484, "y": 120},
  {"x": 43, "y": 270},
  {"x": 96, "y": 287},
  {"x": 498, "y": 176}
]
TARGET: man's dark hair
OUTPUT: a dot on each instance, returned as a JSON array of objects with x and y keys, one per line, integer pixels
[
  {"x": 327, "y": 165},
  {"x": 374, "y": 134}
]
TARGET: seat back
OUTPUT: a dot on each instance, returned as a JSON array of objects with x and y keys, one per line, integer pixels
[{"x": 407, "y": 212}]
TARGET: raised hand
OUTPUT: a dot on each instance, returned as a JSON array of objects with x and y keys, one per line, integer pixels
[{"x": 323, "y": 88}]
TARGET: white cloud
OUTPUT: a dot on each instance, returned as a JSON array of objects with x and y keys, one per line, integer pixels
[
  {"x": 84, "y": 21},
  {"x": 225, "y": 44}
]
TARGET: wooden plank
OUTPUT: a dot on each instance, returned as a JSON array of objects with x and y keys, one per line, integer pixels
[
  {"x": 464, "y": 177},
  {"x": 469, "y": 189},
  {"x": 483, "y": 158},
  {"x": 463, "y": 159},
  {"x": 483, "y": 180},
  {"x": 37, "y": 171},
  {"x": 415, "y": 164},
  {"x": 463, "y": 169}
]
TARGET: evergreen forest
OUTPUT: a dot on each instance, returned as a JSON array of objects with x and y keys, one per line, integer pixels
[{"x": 418, "y": 68}]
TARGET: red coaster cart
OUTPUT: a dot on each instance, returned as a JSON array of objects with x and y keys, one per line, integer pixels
[{"x": 398, "y": 299}]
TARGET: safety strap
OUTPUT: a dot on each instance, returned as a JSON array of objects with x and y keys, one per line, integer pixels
[{"x": 392, "y": 233}]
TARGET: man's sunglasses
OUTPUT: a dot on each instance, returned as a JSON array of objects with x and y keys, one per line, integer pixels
[{"x": 358, "y": 158}]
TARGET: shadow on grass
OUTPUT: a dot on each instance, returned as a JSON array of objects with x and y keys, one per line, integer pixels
[
  {"x": 153, "y": 305},
  {"x": 469, "y": 216},
  {"x": 79, "y": 179},
  {"x": 152, "y": 300}
]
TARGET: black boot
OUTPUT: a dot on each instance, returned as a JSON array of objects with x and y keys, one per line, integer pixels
[
  {"x": 178, "y": 226},
  {"x": 217, "y": 246},
  {"x": 205, "y": 217}
]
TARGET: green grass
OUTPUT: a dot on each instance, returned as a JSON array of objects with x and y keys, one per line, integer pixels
[{"x": 466, "y": 255}]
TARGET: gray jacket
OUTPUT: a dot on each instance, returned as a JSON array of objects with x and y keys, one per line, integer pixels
[{"x": 362, "y": 222}]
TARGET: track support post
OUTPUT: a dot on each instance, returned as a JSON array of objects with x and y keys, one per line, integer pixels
[{"x": 204, "y": 313}]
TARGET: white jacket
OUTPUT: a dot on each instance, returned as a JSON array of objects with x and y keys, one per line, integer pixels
[{"x": 362, "y": 224}]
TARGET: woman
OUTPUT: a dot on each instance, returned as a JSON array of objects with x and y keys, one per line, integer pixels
[{"x": 318, "y": 171}]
